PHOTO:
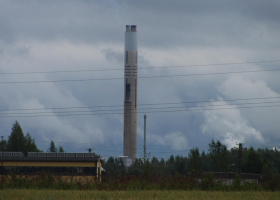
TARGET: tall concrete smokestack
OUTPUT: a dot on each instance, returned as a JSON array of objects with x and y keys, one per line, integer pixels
[{"x": 130, "y": 92}]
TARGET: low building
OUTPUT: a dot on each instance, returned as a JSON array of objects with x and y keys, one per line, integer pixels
[{"x": 63, "y": 164}]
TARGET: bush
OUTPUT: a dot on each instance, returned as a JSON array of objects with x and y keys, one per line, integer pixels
[
  {"x": 207, "y": 183},
  {"x": 236, "y": 183}
]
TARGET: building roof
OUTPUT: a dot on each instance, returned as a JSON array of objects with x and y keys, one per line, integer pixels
[{"x": 50, "y": 159}]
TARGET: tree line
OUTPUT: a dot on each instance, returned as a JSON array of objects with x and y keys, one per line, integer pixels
[
  {"x": 18, "y": 142},
  {"x": 217, "y": 159}
]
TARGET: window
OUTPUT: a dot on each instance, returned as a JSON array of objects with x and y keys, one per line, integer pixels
[
  {"x": 79, "y": 170},
  {"x": 135, "y": 93},
  {"x": 90, "y": 171},
  {"x": 68, "y": 171},
  {"x": 6, "y": 170},
  {"x": 127, "y": 92}
]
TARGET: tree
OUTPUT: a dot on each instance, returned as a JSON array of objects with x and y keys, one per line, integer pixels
[
  {"x": 162, "y": 167},
  {"x": 114, "y": 166},
  {"x": 170, "y": 166},
  {"x": 180, "y": 164},
  {"x": 17, "y": 141},
  {"x": 155, "y": 164},
  {"x": 253, "y": 163},
  {"x": 52, "y": 147},
  {"x": 3, "y": 145},
  {"x": 60, "y": 149},
  {"x": 219, "y": 155},
  {"x": 205, "y": 161},
  {"x": 137, "y": 168},
  {"x": 109, "y": 164},
  {"x": 30, "y": 144},
  {"x": 20, "y": 143},
  {"x": 195, "y": 161}
]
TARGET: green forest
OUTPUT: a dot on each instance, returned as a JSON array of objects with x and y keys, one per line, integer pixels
[
  {"x": 217, "y": 159},
  {"x": 181, "y": 172}
]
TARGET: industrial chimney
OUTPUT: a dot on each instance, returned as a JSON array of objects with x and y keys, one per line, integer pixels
[{"x": 130, "y": 93}]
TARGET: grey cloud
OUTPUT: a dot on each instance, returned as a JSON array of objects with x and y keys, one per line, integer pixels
[
  {"x": 112, "y": 56},
  {"x": 193, "y": 23},
  {"x": 188, "y": 23},
  {"x": 6, "y": 33},
  {"x": 263, "y": 11},
  {"x": 72, "y": 21}
]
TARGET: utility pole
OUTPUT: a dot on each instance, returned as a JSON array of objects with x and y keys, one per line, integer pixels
[
  {"x": 239, "y": 158},
  {"x": 145, "y": 137},
  {"x": 2, "y": 137}
]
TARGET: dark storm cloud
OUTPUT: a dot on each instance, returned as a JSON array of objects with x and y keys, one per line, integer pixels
[
  {"x": 196, "y": 23},
  {"x": 64, "y": 20},
  {"x": 261, "y": 11},
  {"x": 162, "y": 23}
]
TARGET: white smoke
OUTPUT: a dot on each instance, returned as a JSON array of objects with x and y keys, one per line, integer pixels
[{"x": 229, "y": 126}]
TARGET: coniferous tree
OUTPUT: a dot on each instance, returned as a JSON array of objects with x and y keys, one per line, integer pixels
[
  {"x": 155, "y": 164},
  {"x": 253, "y": 163},
  {"x": 30, "y": 144},
  {"x": 52, "y": 147},
  {"x": 180, "y": 165},
  {"x": 219, "y": 155},
  {"x": 3, "y": 145},
  {"x": 20, "y": 143},
  {"x": 109, "y": 165},
  {"x": 17, "y": 141},
  {"x": 170, "y": 165},
  {"x": 137, "y": 168},
  {"x": 195, "y": 161},
  {"x": 114, "y": 166},
  {"x": 60, "y": 149},
  {"x": 162, "y": 167},
  {"x": 205, "y": 161}
]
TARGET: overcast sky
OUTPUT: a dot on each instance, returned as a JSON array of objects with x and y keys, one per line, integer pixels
[{"x": 186, "y": 37}]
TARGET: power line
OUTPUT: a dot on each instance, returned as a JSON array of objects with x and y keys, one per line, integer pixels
[
  {"x": 144, "y": 77},
  {"x": 185, "y": 110},
  {"x": 118, "y": 69},
  {"x": 159, "y": 152},
  {"x": 149, "y": 108},
  {"x": 149, "y": 104},
  {"x": 141, "y": 146},
  {"x": 96, "y": 146}
]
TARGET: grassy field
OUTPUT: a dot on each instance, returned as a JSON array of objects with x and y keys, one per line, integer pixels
[{"x": 77, "y": 194}]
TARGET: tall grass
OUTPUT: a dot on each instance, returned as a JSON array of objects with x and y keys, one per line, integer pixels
[
  {"x": 135, "y": 183},
  {"x": 151, "y": 194}
]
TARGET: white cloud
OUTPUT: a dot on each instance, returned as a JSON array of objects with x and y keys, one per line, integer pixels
[
  {"x": 264, "y": 119},
  {"x": 175, "y": 140},
  {"x": 229, "y": 126},
  {"x": 253, "y": 125}
]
